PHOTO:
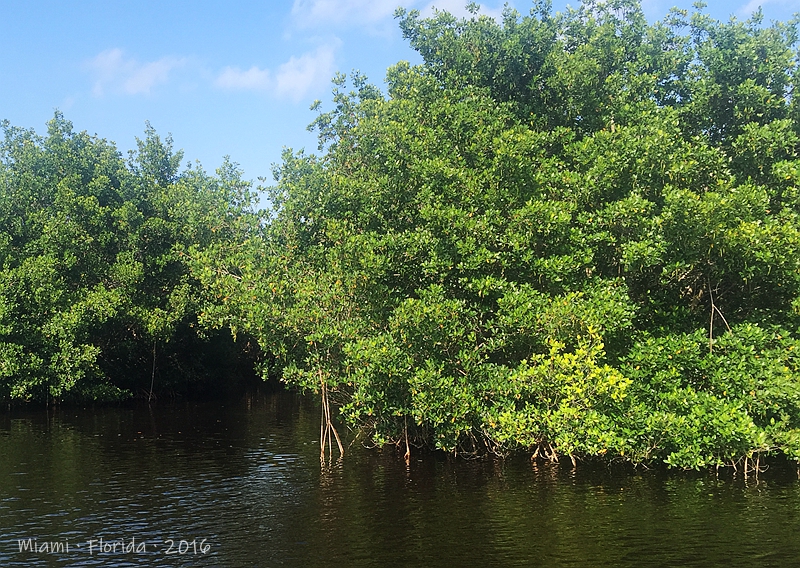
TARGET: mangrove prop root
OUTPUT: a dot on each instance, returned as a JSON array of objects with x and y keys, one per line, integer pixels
[
  {"x": 407, "y": 455},
  {"x": 327, "y": 431}
]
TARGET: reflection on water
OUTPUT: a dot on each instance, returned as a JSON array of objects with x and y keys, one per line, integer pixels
[{"x": 246, "y": 478}]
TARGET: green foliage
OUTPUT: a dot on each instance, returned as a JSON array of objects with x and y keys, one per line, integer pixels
[
  {"x": 93, "y": 276},
  {"x": 569, "y": 233},
  {"x": 700, "y": 406}
]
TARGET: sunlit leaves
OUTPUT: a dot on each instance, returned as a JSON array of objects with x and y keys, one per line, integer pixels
[
  {"x": 93, "y": 270},
  {"x": 565, "y": 233}
]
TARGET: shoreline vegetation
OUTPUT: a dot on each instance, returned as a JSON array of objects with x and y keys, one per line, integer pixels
[{"x": 572, "y": 234}]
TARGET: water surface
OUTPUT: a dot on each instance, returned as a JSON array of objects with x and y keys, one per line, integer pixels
[{"x": 246, "y": 477}]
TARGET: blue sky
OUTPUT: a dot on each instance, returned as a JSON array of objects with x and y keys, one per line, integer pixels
[{"x": 225, "y": 78}]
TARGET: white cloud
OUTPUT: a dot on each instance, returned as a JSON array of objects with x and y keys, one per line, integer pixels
[
  {"x": 299, "y": 75},
  {"x": 459, "y": 9},
  {"x": 254, "y": 79},
  {"x": 115, "y": 72},
  {"x": 143, "y": 78},
  {"x": 753, "y": 5},
  {"x": 294, "y": 79},
  {"x": 309, "y": 13},
  {"x": 312, "y": 13}
]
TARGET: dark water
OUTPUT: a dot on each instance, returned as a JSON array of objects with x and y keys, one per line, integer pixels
[{"x": 241, "y": 485}]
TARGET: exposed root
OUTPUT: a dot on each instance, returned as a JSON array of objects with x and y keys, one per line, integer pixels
[
  {"x": 407, "y": 455},
  {"x": 751, "y": 465},
  {"x": 553, "y": 455},
  {"x": 327, "y": 431}
]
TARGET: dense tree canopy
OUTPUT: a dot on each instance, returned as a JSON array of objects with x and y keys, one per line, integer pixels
[
  {"x": 573, "y": 234},
  {"x": 95, "y": 292}
]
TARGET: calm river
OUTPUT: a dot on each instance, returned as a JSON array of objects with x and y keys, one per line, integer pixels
[{"x": 240, "y": 484}]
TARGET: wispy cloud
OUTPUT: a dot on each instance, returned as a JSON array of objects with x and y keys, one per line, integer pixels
[
  {"x": 311, "y": 13},
  {"x": 299, "y": 75},
  {"x": 753, "y": 5},
  {"x": 114, "y": 72},
  {"x": 293, "y": 80},
  {"x": 254, "y": 79},
  {"x": 459, "y": 9}
]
